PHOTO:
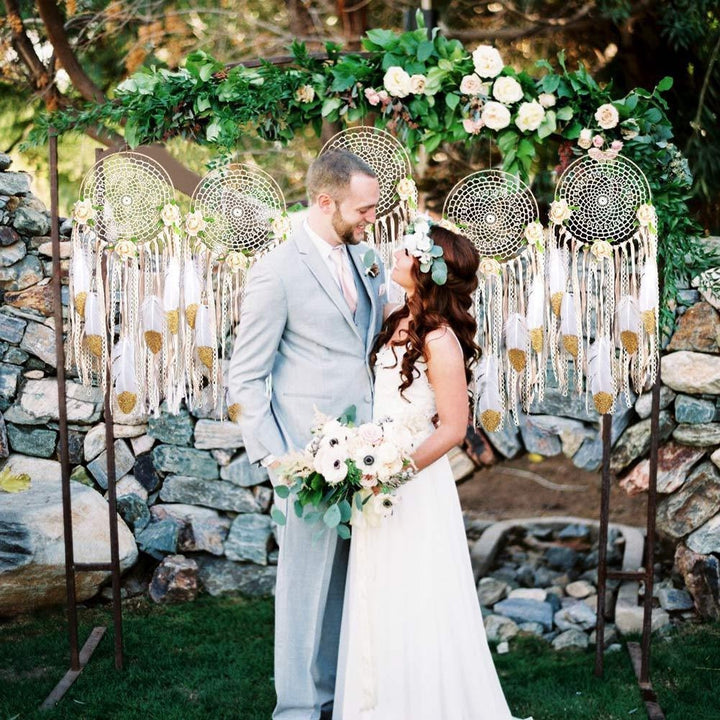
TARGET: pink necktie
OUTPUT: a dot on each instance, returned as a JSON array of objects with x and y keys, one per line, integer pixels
[{"x": 347, "y": 285}]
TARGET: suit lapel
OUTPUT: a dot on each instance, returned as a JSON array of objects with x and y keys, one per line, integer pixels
[
  {"x": 356, "y": 254},
  {"x": 320, "y": 271}
]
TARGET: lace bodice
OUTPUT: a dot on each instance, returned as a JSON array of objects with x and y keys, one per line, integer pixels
[{"x": 416, "y": 406}]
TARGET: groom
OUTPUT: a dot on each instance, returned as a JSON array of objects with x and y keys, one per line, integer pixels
[{"x": 309, "y": 316}]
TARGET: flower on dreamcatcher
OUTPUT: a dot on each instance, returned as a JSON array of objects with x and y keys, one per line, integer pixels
[
  {"x": 560, "y": 211},
  {"x": 236, "y": 261},
  {"x": 534, "y": 234},
  {"x": 489, "y": 266},
  {"x": 601, "y": 249},
  {"x": 646, "y": 215},
  {"x": 170, "y": 215},
  {"x": 407, "y": 190},
  {"x": 281, "y": 226},
  {"x": 125, "y": 249},
  {"x": 83, "y": 212},
  {"x": 195, "y": 224}
]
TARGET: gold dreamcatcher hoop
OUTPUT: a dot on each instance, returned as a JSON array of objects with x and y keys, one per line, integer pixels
[
  {"x": 499, "y": 214},
  {"x": 603, "y": 279}
]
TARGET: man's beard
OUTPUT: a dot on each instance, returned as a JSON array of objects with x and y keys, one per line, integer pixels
[{"x": 344, "y": 230}]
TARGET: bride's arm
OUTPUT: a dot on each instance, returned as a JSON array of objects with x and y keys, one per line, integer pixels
[{"x": 446, "y": 372}]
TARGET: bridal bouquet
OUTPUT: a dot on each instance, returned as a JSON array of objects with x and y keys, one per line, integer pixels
[{"x": 346, "y": 472}]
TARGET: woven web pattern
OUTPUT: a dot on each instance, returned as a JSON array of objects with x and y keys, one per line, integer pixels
[
  {"x": 241, "y": 201},
  {"x": 383, "y": 153},
  {"x": 492, "y": 208},
  {"x": 604, "y": 196},
  {"x": 130, "y": 189}
]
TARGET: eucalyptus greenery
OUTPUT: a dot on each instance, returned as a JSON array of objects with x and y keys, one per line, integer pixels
[{"x": 207, "y": 103}]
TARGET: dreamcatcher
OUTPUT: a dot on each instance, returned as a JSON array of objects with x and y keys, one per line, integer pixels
[
  {"x": 603, "y": 279},
  {"x": 398, "y": 193},
  {"x": 238, "y": 214},
  {"x": 498, "y": 212},
  {"x": 125, "y": 214}
]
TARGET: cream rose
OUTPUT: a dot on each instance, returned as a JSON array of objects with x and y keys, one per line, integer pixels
[
  {"x": 529, "y": 116},
  {"x": 397, "y": 82},
  {"x": 487, "y": 61},
  {"x": 305, "y": 94},
  {"x": 507, "y": 90},
  {"x": 281, "y": 226},
  {"x": 646, "y": 215},
  {"x": 534, "y": 234},
  {"x": 495, "y": 115},
  {"x": 83, "y": 212},
  {"x": 585, "y": 139},
  {"x": 489, "y": 266},
  {"x": 607, "y": 116},
  {"x": 195, "y": 223},
  {"x": 547, "y": 100},
  {"x": 417, "y": 84},
  {"x": 125, "y": 249},
  {"x": 406, "y": 189},
  {"x": 236, "y": 261},
  {"x": 602, "y": 249},
  {"x": 170, "y": 214},
  {"x": 559, "y": 212},
  {"x": 471, "y": 85}
]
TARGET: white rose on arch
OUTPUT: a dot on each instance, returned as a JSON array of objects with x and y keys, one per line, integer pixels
[
  {"x": 487, "y": 61},
  {"x": 472, "y": 85},
  {"x": 305, "y": 94},
  {"x": 607, "y": 116},
  {"x": 397, "y": 82},
  {"x": 530, "y": 116},
  {"x": 507, "y": 90},
  {"x": 547, "y": 100},
  {"x": 495, "y": 115}
]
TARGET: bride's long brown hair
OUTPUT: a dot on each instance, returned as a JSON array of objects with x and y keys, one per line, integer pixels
[{"x": 433, "y": 306}]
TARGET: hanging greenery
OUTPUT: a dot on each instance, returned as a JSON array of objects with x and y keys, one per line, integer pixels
[{"x": 426, "y": 91}]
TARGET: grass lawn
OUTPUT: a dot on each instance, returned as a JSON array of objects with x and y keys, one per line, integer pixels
[{"x": 212, "y": 659}]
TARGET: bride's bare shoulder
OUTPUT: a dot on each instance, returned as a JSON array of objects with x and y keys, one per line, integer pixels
[
  {"x": 442, "y": 341},
  {"x": 389, "y": 309}
]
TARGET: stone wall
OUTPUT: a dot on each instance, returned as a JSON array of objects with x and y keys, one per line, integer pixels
[{"x": 185, "y": 485}]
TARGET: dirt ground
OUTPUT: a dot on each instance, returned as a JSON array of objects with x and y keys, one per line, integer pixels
[{"x": 554, "y": 486}]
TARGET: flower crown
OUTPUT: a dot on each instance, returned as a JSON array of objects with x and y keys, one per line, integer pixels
[{"x": 417, "y": 242}]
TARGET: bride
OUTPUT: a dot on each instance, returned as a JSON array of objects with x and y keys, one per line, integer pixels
[{"x": 412, "y": 644}]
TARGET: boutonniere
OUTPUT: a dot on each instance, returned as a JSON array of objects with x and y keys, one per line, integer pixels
[{"x": 370, "y": 262}]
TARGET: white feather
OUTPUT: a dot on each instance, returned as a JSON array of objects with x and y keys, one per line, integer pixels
[
  {"x": 648, "y": 299},
  {"x": 536, "y": 304},
  {"x": 516, "y": 332},
  {"x": 191, "y": 287},
  {"x": 151, "y": 312},
  {"x": 94, "y": 323},
  {"x": 628, "y": 315},
  {"x": 568, "y": 315},
  {"x": 171, "y": 289},
  {"x": 204, "y": 327},
  {"x": 488, "y": 384},
  {"x": 557, "y": 275},
  {"x": 600, "y": 367},
  {"x": 123, "y": 366},
  {"x": 80, "y": 273}
]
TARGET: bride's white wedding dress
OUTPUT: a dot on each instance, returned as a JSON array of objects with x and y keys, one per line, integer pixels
[{"x": 413, "y": 645}]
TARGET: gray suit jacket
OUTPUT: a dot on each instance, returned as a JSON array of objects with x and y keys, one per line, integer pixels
[{"x": 297, "y": 338}]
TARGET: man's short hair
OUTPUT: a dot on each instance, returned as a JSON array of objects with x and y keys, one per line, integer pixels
[{"x": 331, "y": 173}]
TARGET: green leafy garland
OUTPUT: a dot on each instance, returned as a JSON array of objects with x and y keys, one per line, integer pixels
[{"x": 426, "y": 91}]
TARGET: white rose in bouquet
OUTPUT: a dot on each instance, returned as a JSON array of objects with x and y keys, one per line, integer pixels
[
  {"x": 370, "y": 433},
  {"x": 390, "y": 460},
  {"x": 507, "y": 90},
  {"x": 487, "y": 61},
  {"x": 495, "y": 115},
  {"x": 397, "y": 82},
  {"x": 607, "y": 116},
  {"x": 529, "y": 116},
  {"x": 399, "y": 435}
]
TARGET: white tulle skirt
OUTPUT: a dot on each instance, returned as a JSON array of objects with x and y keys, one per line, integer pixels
[{"x": 413, "y": 645}]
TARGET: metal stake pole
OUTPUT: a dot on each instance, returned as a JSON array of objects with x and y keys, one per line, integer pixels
[{"x": 602, "y": 548}]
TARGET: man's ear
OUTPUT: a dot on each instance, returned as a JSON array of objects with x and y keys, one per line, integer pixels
[{"x": 326, "y": 203}]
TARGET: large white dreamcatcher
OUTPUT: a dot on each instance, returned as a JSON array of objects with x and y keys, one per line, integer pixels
[
  {"x": 398, "y": 193},
  {"x": 238, "y": 214},
  {"x": 498, "y": 212},
  {"x": 124, "y": 214},
  {"x": 603, "y": 279}
]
